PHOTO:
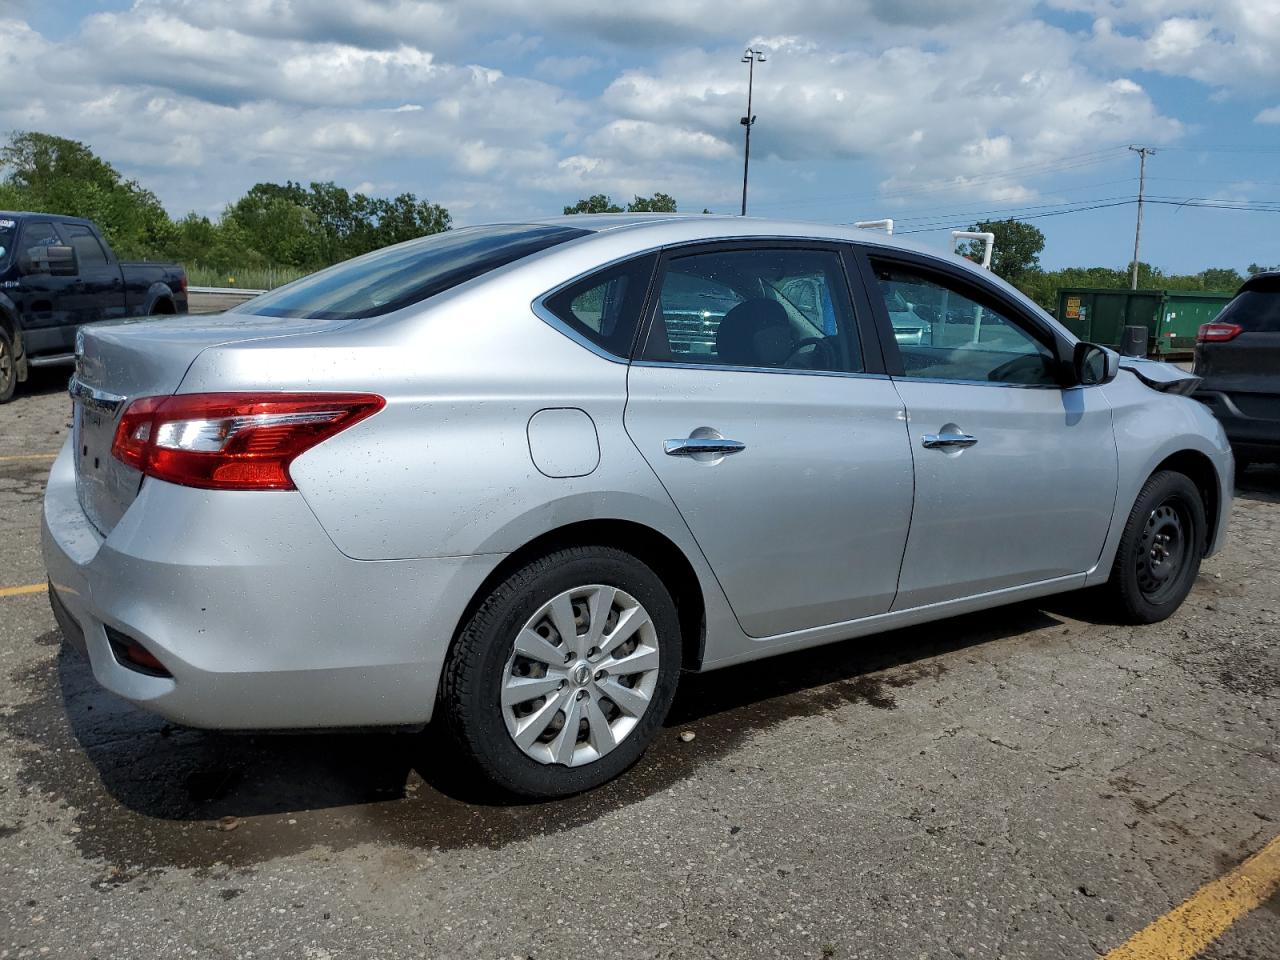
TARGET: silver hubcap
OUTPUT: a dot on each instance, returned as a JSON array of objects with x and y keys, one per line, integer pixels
[{"x": 581, "y": 674}]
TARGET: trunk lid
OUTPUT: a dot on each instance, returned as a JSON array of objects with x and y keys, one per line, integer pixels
[{"x": 120, "y": 362}]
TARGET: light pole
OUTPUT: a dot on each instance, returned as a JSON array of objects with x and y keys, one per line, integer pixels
[{"x": 751, "y": 58}]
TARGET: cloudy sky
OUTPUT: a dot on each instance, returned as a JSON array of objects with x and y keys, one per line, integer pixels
[{"x": 933, "y": 112}]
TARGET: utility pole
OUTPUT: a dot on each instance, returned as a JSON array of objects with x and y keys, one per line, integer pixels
[
  {"x": 751, "y": 58},
  {"x": 1143, "y": 153}
]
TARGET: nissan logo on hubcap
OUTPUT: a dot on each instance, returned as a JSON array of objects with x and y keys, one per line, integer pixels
[{"x": 581, "y": 674}]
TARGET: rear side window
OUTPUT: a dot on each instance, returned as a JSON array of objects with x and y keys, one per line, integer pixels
[
  {"x": 407, "y": 273},
  {"x": 88, "y": 249},
  {"x": 605, "y": 307},
  {"x": 1256, "y": 310}
]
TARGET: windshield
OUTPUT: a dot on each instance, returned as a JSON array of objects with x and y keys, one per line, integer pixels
[
  {"x": 8, "y": 233},
  {"x": 407, "y": 273}
]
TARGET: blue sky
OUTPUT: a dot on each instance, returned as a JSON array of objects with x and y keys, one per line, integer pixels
[{"x": 934, "y": 112}]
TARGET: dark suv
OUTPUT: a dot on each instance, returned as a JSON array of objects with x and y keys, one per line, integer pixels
[{"x": 1238, "y": 357}]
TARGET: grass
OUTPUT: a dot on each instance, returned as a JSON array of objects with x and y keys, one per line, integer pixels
[{"x": 249, "y": 278}]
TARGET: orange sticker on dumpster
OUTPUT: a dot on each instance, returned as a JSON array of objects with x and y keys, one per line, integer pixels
[{"x": 1073, "y": 308}]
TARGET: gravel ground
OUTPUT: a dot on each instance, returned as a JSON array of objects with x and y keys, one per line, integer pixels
[{"x": 1028, "y": 782}]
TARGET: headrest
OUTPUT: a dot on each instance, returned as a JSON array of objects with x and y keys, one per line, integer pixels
[{"x": 755, "y": 333}]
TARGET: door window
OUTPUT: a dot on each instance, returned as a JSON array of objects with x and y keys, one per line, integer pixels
[
  {"x": 87, "y": 247},
  {"x": 605, "y": 307},
  {"x": 39, "y": 233},
  {"x": 943, "y": 333},
  {"x": 762, "y": 308}
]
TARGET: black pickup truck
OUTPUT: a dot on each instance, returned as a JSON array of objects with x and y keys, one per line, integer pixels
[{"x": 57, "y": 274}]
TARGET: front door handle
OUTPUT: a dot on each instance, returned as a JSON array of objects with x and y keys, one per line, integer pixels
[
  {"x": 692, "y": 446},
  {"x": 932, "y": 441}
]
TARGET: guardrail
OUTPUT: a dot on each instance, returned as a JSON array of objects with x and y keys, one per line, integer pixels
[{"x": 228, "y": 291}]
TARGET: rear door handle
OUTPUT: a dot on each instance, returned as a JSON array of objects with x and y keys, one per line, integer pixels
[
  {"x": 691, "y": 446},
  {"x": 932, "y": 441}
]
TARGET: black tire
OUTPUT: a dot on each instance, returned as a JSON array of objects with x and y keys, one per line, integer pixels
[
  {"x": 8, "y": 367},
  {"x": 471, "y": 685},
  {"x": 1151, "y": 577}
]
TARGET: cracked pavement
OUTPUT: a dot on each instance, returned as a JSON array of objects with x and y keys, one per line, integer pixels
[{"x": 1026, "y": 782}]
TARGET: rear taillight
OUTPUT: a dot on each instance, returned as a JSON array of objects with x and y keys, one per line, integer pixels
[
  {"x": 233, "y": 441},
  {"x": 1218, "y": 332}
]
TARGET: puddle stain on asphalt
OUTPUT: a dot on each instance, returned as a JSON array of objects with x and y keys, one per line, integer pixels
[{"x": 149, "y": 796}]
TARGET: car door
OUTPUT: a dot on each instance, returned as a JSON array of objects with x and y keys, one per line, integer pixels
[
  {"x": 1015, "y": 475},
  {"x": 42, "y": 297},
  {"x": 99, "y": 294},
  {"x": 772, "y": 426}
]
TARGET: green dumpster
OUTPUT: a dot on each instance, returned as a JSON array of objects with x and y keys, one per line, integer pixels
[{"x": 1171, "y": 317}]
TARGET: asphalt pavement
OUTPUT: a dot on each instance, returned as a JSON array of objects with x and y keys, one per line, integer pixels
[{"x": 1027, "y": 782}]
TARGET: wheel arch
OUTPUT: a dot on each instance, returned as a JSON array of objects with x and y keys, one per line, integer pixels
[
  {"x": 1199, "y": 469},
  {"x": 646, "y": 544}
]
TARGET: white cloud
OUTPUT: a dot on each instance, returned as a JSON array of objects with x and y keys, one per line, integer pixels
[
  {"x": 502, "y": 103},
  {"x": 1227, "y": 43}
]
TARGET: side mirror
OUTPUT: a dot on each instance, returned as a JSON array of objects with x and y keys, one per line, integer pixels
[
  {"x": 1093, "y": 364},
  {"x": 57, "y": 260}
]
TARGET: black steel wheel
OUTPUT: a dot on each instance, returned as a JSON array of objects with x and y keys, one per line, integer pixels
[{"x": 1159, "y": 554}]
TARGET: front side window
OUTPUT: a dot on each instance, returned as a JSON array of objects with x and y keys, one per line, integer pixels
[
  {"x": 88, "y": 249},
  {"x": 605, "y": 307},
  {"x": 766, "y": 308},
  {"x": 39, "y": 233},
  {"x": 407, "y": 273},
  {"x": 943, "y": 333}
]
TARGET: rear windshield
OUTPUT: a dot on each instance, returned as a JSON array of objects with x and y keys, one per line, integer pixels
[
  {"x": 407, "y": 273},
  {"x": 1256, "y": 311}
]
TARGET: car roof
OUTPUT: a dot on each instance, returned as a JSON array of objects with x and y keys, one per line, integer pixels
[
  {"x": 662, "y": 228},
  {"x": 1267, "y": 280},
  {"x": 19, "y": 214}
]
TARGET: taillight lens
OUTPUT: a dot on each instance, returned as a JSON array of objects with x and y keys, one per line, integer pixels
[
  {"x": 233, "y": 441},
  {"x": 1218, "y": 332}
]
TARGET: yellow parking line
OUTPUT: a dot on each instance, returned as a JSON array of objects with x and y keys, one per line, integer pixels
[
  {"x": 28, "y": 456},
  {"x": 22, "y": 591},
  {"x": 1183, "y": 932}
]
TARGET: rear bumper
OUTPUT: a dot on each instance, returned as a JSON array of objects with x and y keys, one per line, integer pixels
[
  {"x": 1248, "y": 435},
  {"x": 261, "y": 621}
]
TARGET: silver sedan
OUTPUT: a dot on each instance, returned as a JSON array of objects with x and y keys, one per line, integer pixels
[{"x": 516, "y": 478}]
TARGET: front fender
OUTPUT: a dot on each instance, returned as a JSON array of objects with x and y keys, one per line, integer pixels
[{"x": 1151, "y": 427}]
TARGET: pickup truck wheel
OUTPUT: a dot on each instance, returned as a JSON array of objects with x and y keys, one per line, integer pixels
[
  {"x": 1160, "y": 549},
  {"x": 564, "y": 674},
  {"x": 8, "y": 367}
]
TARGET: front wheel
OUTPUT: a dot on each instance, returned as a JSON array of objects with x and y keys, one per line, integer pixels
[
  {"x": 1159, "y": 554},
  {"x": 564, "y": 674}
]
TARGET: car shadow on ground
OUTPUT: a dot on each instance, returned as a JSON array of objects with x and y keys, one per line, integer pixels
[
  {"x": 44, "y": 380},
  {"x": 1259, "y": 482},
  {"x": 148, "y": 795}
]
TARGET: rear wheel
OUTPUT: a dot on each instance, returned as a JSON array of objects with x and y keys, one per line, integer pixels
[
  {"x": 1159, "y": 554},
  {"x": 8, "y": 367},
  {"x": 564, "y": 674}
]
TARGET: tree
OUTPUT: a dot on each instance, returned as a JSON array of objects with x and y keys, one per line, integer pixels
[
  {"x": 658, "y": 203},
  {"x": 56, "y": 175},
  {"x": 603, "y": 203},
  {"x": 1017, "y": 247},
  {"x": 596, "y": 203},
  {"x": 1257, "y": 268}
]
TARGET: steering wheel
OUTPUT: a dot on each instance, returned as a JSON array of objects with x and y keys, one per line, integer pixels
[
  {"x": 822, "y": 349},
  {"x": 1028, "y": 368}
]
